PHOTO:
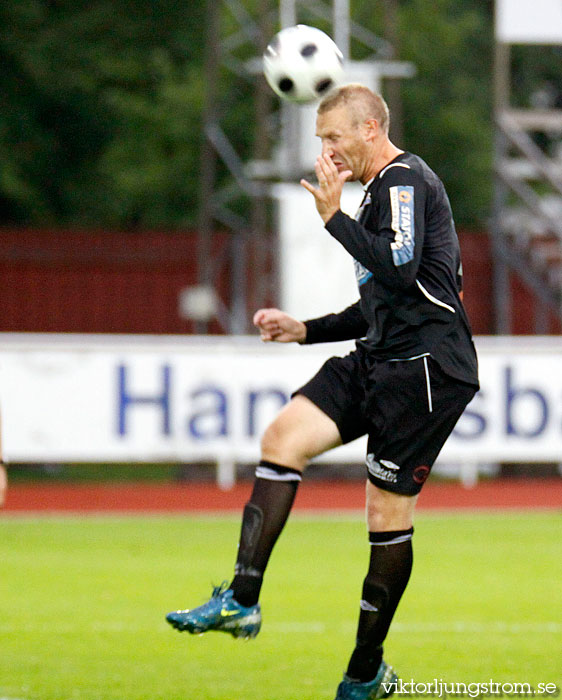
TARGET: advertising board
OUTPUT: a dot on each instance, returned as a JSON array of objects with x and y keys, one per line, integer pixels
[{"x": 100, "y": 398}]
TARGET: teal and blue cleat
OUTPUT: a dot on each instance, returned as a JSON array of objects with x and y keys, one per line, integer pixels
[
  {"x": 221, "y": 613},
  {"x": 382, "y": 686}
]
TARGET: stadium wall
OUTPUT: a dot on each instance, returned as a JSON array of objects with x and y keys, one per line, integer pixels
[
  {"x": 54, "y": 281},
  {"x": 98, "y": 281}
]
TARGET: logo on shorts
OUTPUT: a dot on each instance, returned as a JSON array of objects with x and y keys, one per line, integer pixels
[
  {"x": 389, "y": 465},
  {"x": 384, "y": 470},
  {"x": 420, "y": 474}
]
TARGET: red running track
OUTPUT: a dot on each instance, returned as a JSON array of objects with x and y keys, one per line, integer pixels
[{"x": 322, "y": 496}]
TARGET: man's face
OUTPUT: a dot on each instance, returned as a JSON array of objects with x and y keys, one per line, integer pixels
[{"x": 343, "y": 141}]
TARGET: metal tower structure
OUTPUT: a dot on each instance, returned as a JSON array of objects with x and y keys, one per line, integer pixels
[
  {"x": 235, "y": 191},
  {"x": 527, "y": 217}
]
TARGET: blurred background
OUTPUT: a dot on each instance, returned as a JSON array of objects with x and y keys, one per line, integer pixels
[{"x": 147, "y": 180}]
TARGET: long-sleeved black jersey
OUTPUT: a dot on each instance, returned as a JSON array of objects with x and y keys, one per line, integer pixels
[{"x": 408, "y": 268}]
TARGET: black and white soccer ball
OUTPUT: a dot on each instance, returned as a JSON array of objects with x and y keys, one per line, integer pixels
[{"x": 302, "y": 64}]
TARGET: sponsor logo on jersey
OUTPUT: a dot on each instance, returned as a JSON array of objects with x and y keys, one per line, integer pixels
[
  {"x": 381, "y": 470},
  {"x": 402, "y": 223},
  {"x": 364, "y": 204},
  {"x": 361, "y": 273}
]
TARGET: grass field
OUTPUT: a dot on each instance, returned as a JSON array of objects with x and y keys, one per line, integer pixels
[{"x": 83, "y": 600}]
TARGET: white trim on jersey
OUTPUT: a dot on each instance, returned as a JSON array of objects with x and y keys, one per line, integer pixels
[
  {"x": 393, "y": 165},
  {"x": 409, "y": 359},
  {"x": 433, "y": 299}
]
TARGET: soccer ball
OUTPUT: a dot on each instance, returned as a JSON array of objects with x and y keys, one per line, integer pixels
[{"x": 302, "y": 64}]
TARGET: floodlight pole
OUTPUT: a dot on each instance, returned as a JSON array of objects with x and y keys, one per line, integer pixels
[
  {"x": 208, "y": 158},
  {"x": 290, "y": 116},
  {"x": 341, "y": 26},
  {"x": 287, "y": 13},
  {"x": 392, "y": 86},
  {"x": 501, "y": 277},
  {"x": 261, "y": 253},
  {"x": 525, "y": 178},
  {"x": 250, "y": 246}
]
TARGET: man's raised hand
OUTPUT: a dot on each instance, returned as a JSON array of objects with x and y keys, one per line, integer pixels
[{"x": 327, "y": 195}]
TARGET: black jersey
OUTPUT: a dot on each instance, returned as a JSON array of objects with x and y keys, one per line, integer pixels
[{"x": 408, "y": 269}]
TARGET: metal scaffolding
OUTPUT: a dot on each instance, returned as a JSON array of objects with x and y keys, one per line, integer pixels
[
  {"x": 527, "y": 215},
  {"x": 242, "y": 275},
  {"x": 235, "y": 41}
]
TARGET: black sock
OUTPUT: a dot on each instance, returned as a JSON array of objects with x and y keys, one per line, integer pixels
[
  {"x": 264, "y": 517},
  {"x": 389, "y": 570}
]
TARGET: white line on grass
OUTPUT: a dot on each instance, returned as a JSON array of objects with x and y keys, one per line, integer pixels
[
  {"x": 310, "y": 627},
  {"x": 454, "y": 626}
]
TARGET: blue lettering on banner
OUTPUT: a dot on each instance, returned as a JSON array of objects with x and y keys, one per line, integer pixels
[
  {"x": 472, "y": 424},
  {"x": 254, "y": 400},
  {"x": 402, "y": 223},
  {"x": 514, "y": 394},
  {"x": 212, "y": 421},
  {"x": 216, "y": 411},
  {"x": 127, "y": 400}
]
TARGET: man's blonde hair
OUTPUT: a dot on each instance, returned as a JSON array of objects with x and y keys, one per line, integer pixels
[{"x": 363, "y": 104}]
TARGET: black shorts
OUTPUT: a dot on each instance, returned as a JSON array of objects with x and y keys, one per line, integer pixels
[{"x": 408, "y": 408}]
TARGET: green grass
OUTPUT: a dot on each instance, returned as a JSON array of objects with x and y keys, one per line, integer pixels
[{"x": 83, "y": 600}]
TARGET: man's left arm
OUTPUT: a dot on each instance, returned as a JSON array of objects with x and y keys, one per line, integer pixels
[{"x": 393, "y": 251}]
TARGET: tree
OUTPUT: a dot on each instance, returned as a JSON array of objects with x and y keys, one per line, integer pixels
[
  {"x": 101, "y": 111},
  {"x": 447, "y": 106},
  {"x": 101, "y": 105}
]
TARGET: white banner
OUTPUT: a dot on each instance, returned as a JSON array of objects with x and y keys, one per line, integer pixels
[
  {"x": 529, "y": 22},
  {"x": 131, "y": 398}
]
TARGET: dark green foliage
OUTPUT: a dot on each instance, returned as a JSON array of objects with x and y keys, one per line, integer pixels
[
  {"x": 447, "y": 106},
  {"x": 101, "y": 104},
  {"x": 101, "y": 111}
]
